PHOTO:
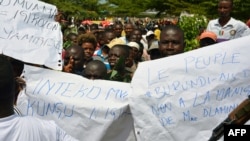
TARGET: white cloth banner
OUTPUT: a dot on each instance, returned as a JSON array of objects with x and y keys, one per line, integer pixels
[
  {"x": 184, "y": 97},
  {"x": 89, "y": 110},
  {"x": 28, "y": 32},
  {"x": 178, "y": 98}
]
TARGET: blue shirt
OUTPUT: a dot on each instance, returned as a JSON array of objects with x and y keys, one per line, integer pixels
[{"x": 99, "y": 56}]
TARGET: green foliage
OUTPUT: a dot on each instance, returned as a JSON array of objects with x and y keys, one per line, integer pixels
[
  {"x": 78, "y": 8},
  {"x": 191, "y": 26},
  {"x": 93, "y": 8},
  {"x": 126, "y": 7}
]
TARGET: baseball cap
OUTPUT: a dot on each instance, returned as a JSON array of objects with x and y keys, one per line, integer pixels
[
  {"x": 154, "y": 45},
  {"x": 134, "y": 44},
  {"x": 150, "y": 32},
  {"x": 208, "y": 34},
  {"x": 115, "y": 41},
  {"x": 156, "y": 26}
]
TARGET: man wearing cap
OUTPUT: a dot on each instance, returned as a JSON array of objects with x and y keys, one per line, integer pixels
[
  {"x": 207, "y": 38},
  {"x": 133, "y": 51},
  {"x": 153, "y": 51},
  {"x": 150, "y": 36}
]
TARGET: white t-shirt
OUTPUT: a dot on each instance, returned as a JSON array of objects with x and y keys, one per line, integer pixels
[
  {"x": 17, "y": 128},
  {"x": 232, "y": 30}
]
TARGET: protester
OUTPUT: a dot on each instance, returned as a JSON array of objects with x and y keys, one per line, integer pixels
[
  {"x": 100, "y": 40},
  {"x": 118, "y": 57},
  {"x": 93, "y": 28},
  {"x": 102, "y": 53},
  {"x": 143, "y": 39},
  {"x": 139, "y": 58},
  {"x": 73, "y": 61},
  {"x": 89, "y": 43},
  {"x": 17, "y": 66},
  {"x": 226, "y": 27},
  {"x": 71, "y": 39},
  {"x": 153, "y": 51},
  {"x": 128, "y": 28},
  {"x": 134, "y": 48},
  {"x": 171, "y": 41},
  {"x": 118, "y": 27},
  {"x": 150, "y": 37},
  {"x": 137, "y": 35},
  {"x": 95, "y": 69},
  {"x": 207, "y": 38},
  {"x": 147, "y": 41},
  {"x": 132, "y": 38},
  {"x": 81, "y": 30},
  {"x": 16, "y": 128}
]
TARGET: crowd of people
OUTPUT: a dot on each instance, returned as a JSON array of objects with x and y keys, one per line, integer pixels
[
  {"x": 142, "y": 43},
  {"x": 109, "y": 53}
]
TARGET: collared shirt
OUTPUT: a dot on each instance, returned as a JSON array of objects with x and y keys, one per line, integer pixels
[
  {"x": 26, "y": 128},
  {"x": 232, "y": 30}
]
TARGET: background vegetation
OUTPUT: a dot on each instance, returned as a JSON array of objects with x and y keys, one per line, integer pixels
[
  {"x": 95, "y": 8},
  {"x": 203, "y": 10}
]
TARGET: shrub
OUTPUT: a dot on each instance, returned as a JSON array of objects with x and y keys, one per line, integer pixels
[{"x": 191, "y": 26}]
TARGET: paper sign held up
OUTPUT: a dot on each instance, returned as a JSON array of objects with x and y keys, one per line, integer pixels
[
  {"x": 86, "y": 109},
  {"x": 184, "y": 97},
  {"x": 29, "y": 32}
]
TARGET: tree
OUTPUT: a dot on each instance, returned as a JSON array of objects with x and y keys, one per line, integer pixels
[
  {"x": 93, "y": 8},
  {"x": 78, "y": 8},
  {"x": 126, "y": 7}
]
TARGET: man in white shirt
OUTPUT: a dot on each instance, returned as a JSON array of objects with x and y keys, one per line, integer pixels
[
  {"x": 226, "y": 27},
  {"x": 16, "y": 128}
]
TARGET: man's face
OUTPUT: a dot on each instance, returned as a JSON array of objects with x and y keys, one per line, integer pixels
[
  {"x": 133, "y": 38},
  {"x": 77, "y": 56},
  {"x": 138, "y": 35},
  {"x": 128, "y": 29},
  {"x": 171, "y": 43},
  {"x": 109, "y": 37},
  {"x": 118, "y": 30},
  {"x": 73, "y": 39},
  {"x": 224, "y": 8},
  {"x": 114, "y": 54}
]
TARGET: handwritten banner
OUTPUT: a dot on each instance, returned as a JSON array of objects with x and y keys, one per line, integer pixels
[
  {"x": 29, "y": 33},
  {"x": 184, "y": 97},
  {"x": 86, "y": 109}
]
